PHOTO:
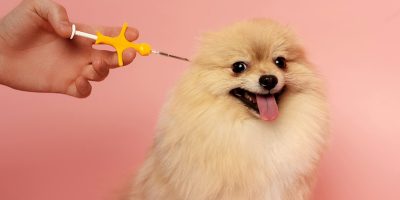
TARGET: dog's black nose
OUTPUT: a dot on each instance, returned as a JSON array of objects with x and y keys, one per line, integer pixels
[{"x": 268, "y": 81}]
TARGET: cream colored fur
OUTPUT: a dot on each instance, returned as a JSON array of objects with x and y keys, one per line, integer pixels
[{"x": 209, "y": 146}]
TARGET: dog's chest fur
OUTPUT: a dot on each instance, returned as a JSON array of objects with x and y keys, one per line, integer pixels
[{"x": 224, "y": 157}]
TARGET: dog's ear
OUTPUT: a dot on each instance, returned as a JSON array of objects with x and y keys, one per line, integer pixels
[
  {"x": 207, "y": 37},
  {"x": 208, "y": 46},
  {"x": 262, "y": 20}
]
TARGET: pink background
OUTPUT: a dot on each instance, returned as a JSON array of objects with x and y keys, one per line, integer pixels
[{"x": 58, "y": 147}]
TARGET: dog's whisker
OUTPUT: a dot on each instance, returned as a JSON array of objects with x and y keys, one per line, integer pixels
[{"x": 299, "y": 74}]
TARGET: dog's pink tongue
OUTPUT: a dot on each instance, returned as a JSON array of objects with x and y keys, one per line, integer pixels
[{"x": 267, "y": 107}]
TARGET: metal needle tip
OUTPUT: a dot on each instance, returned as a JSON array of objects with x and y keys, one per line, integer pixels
[{"x": 170, "y": 55}]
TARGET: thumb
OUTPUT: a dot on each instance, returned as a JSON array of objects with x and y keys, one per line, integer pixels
[{"x": 56, "y": 15}]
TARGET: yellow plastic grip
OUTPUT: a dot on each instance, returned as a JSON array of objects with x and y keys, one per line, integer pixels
[{"x": 120, "y": 43}]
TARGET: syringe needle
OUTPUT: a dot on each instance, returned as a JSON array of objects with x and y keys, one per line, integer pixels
[{"x": 169, "y": 55}]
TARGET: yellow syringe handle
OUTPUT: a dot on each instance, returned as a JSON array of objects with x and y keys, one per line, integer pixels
[{"x": 120, "y": 43}]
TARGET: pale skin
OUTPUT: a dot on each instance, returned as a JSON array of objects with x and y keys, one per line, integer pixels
[{"x": 37, "y": 55}]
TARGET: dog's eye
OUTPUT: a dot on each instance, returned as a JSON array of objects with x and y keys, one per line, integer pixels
[
  {"x": 239, "y": 67},
  {"x": 280, "y": 62}
]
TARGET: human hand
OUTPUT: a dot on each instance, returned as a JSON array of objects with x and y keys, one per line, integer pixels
[{"x": 36, "y": 54}]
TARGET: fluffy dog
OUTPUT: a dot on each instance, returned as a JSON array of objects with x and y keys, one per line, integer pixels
[{"x": 248, "y": 121}]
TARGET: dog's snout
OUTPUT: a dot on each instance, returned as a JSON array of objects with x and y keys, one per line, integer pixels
[{"x": 268, "y": 81}]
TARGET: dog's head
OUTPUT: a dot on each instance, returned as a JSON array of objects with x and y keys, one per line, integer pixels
[{"x": 254, "y": 65}]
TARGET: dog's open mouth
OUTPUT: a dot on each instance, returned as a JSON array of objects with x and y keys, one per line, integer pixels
[{"x": 266, "y": 105}]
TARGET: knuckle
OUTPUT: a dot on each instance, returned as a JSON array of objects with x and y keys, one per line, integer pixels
[{"x": 59, "y": 8}]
